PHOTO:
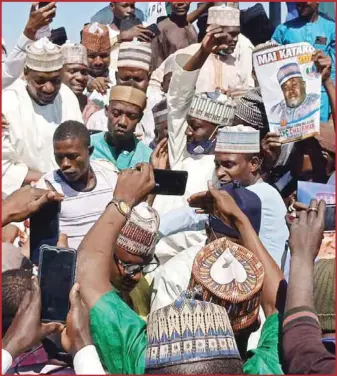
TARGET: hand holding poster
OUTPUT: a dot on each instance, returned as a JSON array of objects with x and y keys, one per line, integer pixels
[{"x": 291, "y": 90}]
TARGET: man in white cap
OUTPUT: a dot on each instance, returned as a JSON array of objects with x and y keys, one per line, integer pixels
[
  {"x": 12, "y": 68},
  {"x": 297, "y": 103},
  {"x": 193, "y": 121},
  {"x": 75, "y": 75},
  {"x": 227, "y": 70},
  {"x": 34, "y": 107},
  {"x": 133, "y": 69}
]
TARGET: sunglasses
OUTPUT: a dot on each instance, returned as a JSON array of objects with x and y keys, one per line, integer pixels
[{"x": 132, "y": 269}]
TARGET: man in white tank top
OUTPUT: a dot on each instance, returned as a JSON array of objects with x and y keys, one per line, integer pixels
[{"x": 87, "y": 185}]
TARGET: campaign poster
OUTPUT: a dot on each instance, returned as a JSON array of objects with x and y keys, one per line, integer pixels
[
  {"x": 291, "y": 90},
  {"x": 307, "y": 191},
  {"x": 154, "y": 11}
]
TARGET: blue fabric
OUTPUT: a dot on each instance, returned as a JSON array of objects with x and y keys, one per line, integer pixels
[
  {"x": 292, "y": 11},
  {"x": 122, "y": 160},
  {"x": 298, "y": 30}
]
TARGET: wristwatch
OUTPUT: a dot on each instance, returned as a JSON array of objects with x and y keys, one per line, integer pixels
[{"x": 122, "y": 207}]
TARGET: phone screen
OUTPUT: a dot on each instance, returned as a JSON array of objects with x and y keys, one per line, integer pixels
[
  {"x": 330, "y": 218},
  {"x": 56, "y": 274},
  {"x": 44, "y": 229},
  {"x": 171, "y": 183},
  {"x": 41, "y": 5},
  {"x": 154, "y": 28}
]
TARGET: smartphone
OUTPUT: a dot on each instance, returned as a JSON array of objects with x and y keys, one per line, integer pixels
[
  {"x": 56, "y": 275},
  {"x": 41, "y": 5},
  {"x": 44, "y": 229},
  {"x": 330, "y": 218},
  {"x": 170, "y": 183},
  {"x": 154, "y": 28},
  {"x": 129, "y": 23}
]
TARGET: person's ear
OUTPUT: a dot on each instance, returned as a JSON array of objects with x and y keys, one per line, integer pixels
[
  {"x": 91, "y": 150},
  {"x": 116, "y": 77},
  {"x": 255, "y": 164},
  {"x": 106, "y": 108}
]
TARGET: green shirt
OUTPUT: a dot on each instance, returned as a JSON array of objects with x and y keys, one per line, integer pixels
[
  {"x": 265, "y": 359},
  {"x": 125, "y": 159},
  {"x": 119, "y": 335}
]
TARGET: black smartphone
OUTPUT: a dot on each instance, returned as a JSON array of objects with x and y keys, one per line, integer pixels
[
  {"x": 56, "y": 275},
  {"x": 129, "y": 23},
  {"x": 330, "y": 218},
  {"x": 154, "y": 28},
  {"x": 44, "y": 229},
  {"x": 170, "y": 183},
  {"x": 41, "y": 5}
]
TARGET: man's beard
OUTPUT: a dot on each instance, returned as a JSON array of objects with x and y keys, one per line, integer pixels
[{"x": 295, "y": 102}]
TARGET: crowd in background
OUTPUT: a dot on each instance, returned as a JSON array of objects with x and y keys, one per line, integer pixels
[{"x": 235, "y": 275}]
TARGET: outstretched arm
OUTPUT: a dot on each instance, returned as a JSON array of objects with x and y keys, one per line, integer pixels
[{"x": 96, "y": 250}]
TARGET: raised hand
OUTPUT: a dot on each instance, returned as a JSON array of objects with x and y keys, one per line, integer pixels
[
  {"x": 134, "y": 184},
  {"x": 306, "y": 231},
  {"x": 323, "y": 64},
  {"x": 100, "y": 84},
  {"x": 159, "y": 157},
  {"x": 39, "y": 18}
]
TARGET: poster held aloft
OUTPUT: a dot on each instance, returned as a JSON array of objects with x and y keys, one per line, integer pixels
[{"x": 291, "y": 90}]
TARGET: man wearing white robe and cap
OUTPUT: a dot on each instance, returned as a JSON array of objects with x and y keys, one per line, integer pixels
[
  {"x": 193, "y": 121},
  {"x": 75, "y": 74},
  {"x": 229, "y": 69},
  {"x": 34, "y": 107}
]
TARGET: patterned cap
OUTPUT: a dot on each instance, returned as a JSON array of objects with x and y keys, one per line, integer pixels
[
  {"x": 44, "y": 56},
  {"x": 251, "y": 110},
  {"x": 223, "y": 16},
  {"x": 214, "y": 107},
  {"x": 74, "y": 53},
  {"x": 238, "y": 139},
  {"x": 95, "y": 38},
  {"x": 160, "y": 111},
  {"x": 135, "y": 54},
  {"x": 128, "y": 94},
  {"x": 139, "y": 234},
  {"x": 188, "y": 331},
  {"x": 231, "y": 276},
  {"x": 287, "y": 72},
  {"x": 249, "y": 203}
]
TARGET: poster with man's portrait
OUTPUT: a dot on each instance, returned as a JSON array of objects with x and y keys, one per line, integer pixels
[{"x": 291, "y": 90}]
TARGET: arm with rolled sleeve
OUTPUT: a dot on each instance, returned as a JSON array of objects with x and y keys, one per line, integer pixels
[
  {"x": 179, "y": 99},
  {"x": 12, "y": 68}
]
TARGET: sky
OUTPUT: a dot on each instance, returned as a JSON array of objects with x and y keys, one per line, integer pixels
[{"x": 71, "y": 15}]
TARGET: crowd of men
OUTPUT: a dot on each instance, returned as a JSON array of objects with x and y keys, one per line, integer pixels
[{"x": 234, "y": 276}]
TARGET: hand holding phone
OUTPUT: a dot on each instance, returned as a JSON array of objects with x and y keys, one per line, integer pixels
[{"x": 155, "y": 30}]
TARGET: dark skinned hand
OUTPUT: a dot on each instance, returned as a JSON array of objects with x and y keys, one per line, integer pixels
[{"x": 26, "y": 329}]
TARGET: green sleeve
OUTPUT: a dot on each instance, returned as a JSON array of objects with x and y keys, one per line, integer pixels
[
  {"x": 265, "y": 359},
  {"x": 119, "y": 335}
]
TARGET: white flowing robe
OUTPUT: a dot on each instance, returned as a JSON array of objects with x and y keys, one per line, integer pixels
[{"x": 28, "y": 141}]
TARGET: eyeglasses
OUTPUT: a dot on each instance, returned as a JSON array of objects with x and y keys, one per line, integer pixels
[{"x": 132, "y": 269}]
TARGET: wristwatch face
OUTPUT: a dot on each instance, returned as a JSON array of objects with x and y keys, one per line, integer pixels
[{"x": 124, "y": 207}]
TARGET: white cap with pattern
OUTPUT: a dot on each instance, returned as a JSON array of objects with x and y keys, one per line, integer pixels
[
  {"x": 135, "y": 54},
  {"x": 238, "y": 139},
  {"x": 44, "y": 56},
  {"x": 74, "y": 53},
  {"x": 223, "y": 16}
]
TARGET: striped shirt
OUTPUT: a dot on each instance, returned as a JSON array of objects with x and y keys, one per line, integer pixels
[{"x": 80, "y": 210}]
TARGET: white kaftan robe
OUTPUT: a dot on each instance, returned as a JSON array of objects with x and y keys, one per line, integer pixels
[{"x": 28, "y": 141}]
